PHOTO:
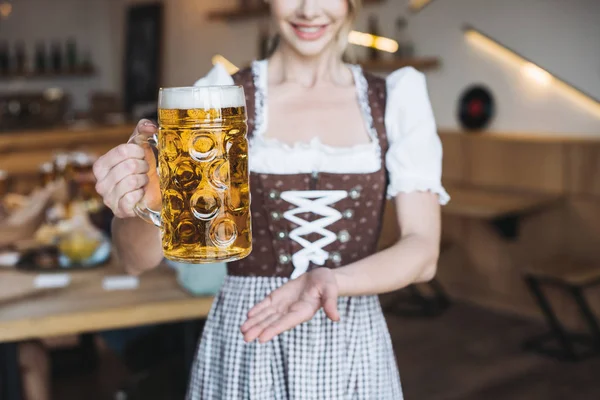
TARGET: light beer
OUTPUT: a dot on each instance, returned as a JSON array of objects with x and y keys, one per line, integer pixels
[{"x": 203, "y": 173}]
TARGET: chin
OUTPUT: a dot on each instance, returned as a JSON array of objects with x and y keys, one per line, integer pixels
[{"x": 310, "y": 51}]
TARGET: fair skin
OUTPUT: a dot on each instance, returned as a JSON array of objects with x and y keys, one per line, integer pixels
[{"x": 311, "y": 92}]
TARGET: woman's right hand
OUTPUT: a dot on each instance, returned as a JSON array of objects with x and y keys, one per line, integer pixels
[{"x": 123, "y": 172}]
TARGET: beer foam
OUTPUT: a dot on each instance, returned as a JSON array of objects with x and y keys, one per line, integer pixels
[{"x": 202, "y": 97}]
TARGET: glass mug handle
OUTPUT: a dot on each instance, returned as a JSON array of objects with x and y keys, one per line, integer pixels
[{"x": 146, "y": 208}]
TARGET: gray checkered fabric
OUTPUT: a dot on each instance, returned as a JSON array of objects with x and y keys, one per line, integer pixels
[{"x": 319, "y": 360}]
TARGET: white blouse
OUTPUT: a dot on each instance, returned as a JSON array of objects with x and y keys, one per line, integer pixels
[{"x": 414, "y": 156}]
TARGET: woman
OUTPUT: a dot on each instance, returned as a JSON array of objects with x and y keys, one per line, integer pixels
[{"x": 318, "y": 127}]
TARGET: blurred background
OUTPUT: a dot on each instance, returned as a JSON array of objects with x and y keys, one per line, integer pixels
[{"x": 515, "y": 88}]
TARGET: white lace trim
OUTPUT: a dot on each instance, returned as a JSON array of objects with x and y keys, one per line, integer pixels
[
  {"x": 418, "y": 185},
  {"x": 260, "y": 97},
  {"x": 362, "y": 90},
  {"x": 316, "y": 202}
]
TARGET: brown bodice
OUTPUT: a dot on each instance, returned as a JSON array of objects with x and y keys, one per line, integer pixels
[{"x": 283, "y": 205}]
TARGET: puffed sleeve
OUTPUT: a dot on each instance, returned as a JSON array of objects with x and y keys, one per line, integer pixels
[
  {"x": 217, "y": 76},
  {"x": 414, "y": 157}
]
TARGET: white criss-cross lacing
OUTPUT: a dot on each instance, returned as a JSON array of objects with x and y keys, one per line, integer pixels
[{"x": 316, "y": 202}]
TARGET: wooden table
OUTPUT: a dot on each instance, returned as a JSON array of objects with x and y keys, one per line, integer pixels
[
  {"x": 502, "y": 209},
  {"x": 83, "y": 307}
]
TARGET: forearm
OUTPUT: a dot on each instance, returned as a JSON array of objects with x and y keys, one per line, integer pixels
[
  {"x": 413, "y": 259},
  {"x": 137, "y": 244}
]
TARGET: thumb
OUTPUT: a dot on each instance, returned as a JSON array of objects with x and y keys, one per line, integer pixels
[{"x": 330, "y": 303}]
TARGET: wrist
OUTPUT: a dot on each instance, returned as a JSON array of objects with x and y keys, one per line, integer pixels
[{"x": 343, "y": 281}]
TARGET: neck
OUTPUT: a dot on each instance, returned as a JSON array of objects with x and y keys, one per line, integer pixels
[{"x": 286, "y": 65}]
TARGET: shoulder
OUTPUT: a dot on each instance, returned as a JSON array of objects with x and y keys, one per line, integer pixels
[
  {"x": 405, "y": 80},
  {"x": 400, "y": 82}
]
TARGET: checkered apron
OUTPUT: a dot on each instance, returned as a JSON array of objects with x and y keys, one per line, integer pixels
[{"x": 351, "y": 359}]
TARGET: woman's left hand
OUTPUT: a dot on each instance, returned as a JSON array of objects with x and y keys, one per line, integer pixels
[{"x": 295, "y": 302}]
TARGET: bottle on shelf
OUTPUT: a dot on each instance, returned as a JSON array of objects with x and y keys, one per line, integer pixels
[
  {"x": 56, "y": 57},
  {"x": 3, "y": 182},
  {"x": 71, "y": 55},
  {"x": 47, "y": 173},
  {"x": 20, "y": 61},
  {"x": 4, "y": 58},
  {"x": 374, "y": 54},
  {"x": 41, "y": 66},
  {"x": 86, "y": 63},
  {"x": 405, "y": 45}
]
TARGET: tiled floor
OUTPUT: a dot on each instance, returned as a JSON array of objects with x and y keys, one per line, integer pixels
[{"x": 466, "y": 354}]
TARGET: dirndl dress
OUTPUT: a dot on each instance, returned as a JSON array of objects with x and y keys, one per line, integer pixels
[{"x": 312, "y": 206}]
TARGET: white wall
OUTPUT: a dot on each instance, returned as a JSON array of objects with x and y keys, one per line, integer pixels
[
  {"x": 89, "y": 21},
  {"x": 561, "y": 36}
]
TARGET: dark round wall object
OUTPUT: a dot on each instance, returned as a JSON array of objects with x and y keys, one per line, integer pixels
[{"x": 476, "y": 108}]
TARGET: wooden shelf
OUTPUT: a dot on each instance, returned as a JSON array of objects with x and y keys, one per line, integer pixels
[
  {"x": 422, "y": 64},
  {"x": 49, "y": 75},
  {"x": 261, "y": 10}
]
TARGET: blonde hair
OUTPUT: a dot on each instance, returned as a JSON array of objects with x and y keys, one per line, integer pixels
[{"x": 354, "y": 7}]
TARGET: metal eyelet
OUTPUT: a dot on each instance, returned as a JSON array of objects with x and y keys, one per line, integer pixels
[
  {"x": 281, "y": 235},
  {"x": 344, "y": 236},
  {"x": 348, "y": 214},
  {"x": 335, "y": 257},
  {"x": 274, "y": 195},
  {"x": 284, "y": 259},
  {"x": 354, "y": 193},
  {"x": 276, "y": 215}
]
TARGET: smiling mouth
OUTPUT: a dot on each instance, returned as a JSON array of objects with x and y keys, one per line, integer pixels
[{"x": 309, "y": 32}]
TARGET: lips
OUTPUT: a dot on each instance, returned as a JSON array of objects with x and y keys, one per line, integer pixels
[{"x": 309, "y": 32}]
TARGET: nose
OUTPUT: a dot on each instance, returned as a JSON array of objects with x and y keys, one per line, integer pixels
[{"x": 309, "y": 9}]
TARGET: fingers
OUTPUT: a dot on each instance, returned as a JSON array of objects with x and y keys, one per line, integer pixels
[
  {"x": 330, "y": 303},
  {"x": 144, "y": 126},
  {"x": 128, "y": 202},
  {"x": 257, "y": 309},
  {"x": 130, "y": 166},
  {"x": 256, "y": 326},
  {"x": 125, "y": 195},
  {"x": 250, "y": 322},
  {"x": 285, "y": 322},
  {"x": 115, "y": 156},
  {"x": 121, "y": 173}
]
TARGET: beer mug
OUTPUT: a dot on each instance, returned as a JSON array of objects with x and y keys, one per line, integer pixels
[{"x": 198, "y": 192}]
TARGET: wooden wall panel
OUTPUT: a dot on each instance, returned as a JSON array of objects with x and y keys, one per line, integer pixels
[
  {"x": 582, "y": 229},
  {"x": 583, "y": 168},
  {"x": 513, "y": 165},
  {"x": 454, "y": 160}
]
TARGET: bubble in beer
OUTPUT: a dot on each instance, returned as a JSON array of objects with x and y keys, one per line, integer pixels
[
  {"x": 218, "y": 173},
  {"x": 223, "y": 233},
  {"x": 185, "y": 175},
  {"x": 187, "y": 232},
  {"x": 205, "y": 205},
  {"x": 203, "y": 148},
  {"x": 173, "y": 204}
]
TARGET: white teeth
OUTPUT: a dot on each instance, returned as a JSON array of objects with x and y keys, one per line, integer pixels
[{"x": 309, "y": 29}]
